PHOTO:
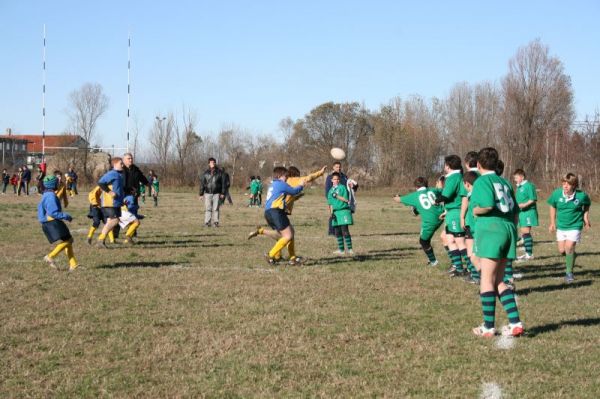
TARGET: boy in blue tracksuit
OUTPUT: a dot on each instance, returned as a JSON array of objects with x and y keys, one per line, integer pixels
[
  {"x": 275, "y": 211},
  {"x": 111, "y": 200},
  {"x": 51, "y": 217}
]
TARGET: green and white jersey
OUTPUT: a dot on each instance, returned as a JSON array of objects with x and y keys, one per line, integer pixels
[
  {"x": 453, "y": 190},
  {"x": 424, "y": 201},
  {"x": 526, "y": 192},
  {"x": 492, "y": 191},
  {"x": 569, "y": 209}
]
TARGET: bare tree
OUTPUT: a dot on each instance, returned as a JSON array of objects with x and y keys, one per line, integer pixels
[
  {"x": 87, "y": 105},
  {"x": 538, "y": 104},
  {"x": 186, "y": 145},
  {"x": 161, "y": 141}
]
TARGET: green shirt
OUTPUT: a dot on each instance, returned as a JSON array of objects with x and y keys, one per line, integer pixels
[
  {"x": 491, "y": 190},
  {"x": 424, "y": 201},
  {"x": 254, "y": 187},
  {"x": 569, "y": 210},
  {"x": 526, "y": 192},
  {"x": 336, "y": 204},
  {"x": 453, "y": 190}
]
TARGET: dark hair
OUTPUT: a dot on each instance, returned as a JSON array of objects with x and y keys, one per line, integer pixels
[
  {"x": 252, "y": 178},
  {"x": 453, "y": 162},
  {"x": 442, "y": 178},
  {"x": 470, "y": 177},
  {"x": 488, "y": 158},
  {"x": 212, "y": 159},
  {"x": 293, "y": 171},
  {"x": 420, "y": 182},
  {"x": 258, "y": 177},
  {"x": 279, "y": 171},
  {"x": 337, "y": 163},
  {"x": 500, "y": 167},
  {"x": 471, "y": 159},
  {"x": 519, "y": 172},
  {"x": 335, "y": 174}
]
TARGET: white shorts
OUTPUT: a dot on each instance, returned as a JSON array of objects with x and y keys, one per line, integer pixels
[
  {"x": 126, "y": 219},
  {"x": 570, "y": 235}
]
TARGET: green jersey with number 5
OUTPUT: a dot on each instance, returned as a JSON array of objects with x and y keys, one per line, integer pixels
[
  {"x": 424, "y": 201},
  {"x": 492, "y": 191}
]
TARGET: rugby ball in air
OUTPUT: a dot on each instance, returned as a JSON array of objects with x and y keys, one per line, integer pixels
[{"x": 338, "y": 153}]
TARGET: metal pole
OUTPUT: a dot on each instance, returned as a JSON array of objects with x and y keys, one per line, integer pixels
[
  {"x": 128, "y": 84},
  {"x": 44, "y": 97}
]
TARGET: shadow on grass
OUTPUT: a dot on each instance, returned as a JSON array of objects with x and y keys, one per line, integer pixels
[
  {"x": 120, "y": 265},
  {"x": 555, "y": 287},
  {"x": 400, "y": 233},
  {"x": 587, "y": 253},
  {"x": 170, "y": 242},
  {"x": 383, "y": 251},
  {"x": 546, "y": 328},
  {"x": 587, "y": 273},
  {"x": 191, "y": 244},
  {"x": 535, "y": 268},
  {"x": 356, "y": 258},
  {"x": 184, "y": 235}
]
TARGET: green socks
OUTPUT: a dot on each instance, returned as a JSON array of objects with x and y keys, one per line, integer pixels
[
  {"x": 570, "y": 259},
  {"x": 528, "y": 244},
  {"x": 456, "y": 259},
  {"x": 508, "y": 270},
  {"x": 507, "y": 299},
  {"x": 430, "y": 255},
  {"x": 488, "y": 305},
  {"x": 340, "y": 242},
  {"x": 348, "y": 240}
]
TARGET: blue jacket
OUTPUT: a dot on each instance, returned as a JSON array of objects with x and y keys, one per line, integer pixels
[
  {"x": 49, "y": 208},
  {"x": 277, "y": 193},
  {"x": 112, "y": 181}
]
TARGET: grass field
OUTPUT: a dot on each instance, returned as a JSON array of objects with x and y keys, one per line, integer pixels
[{"x": 197, "y": 312}]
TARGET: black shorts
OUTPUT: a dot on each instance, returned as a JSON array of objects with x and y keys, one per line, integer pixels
[
  {"x": 56, "y": 230},
  {"x": 96, "y": 215},
  {"x": 111, "y": 213},
  {"x": 468, "y": 233},
  {"x": 277, "y": 219},
  {"x": 457, "y": 235}
]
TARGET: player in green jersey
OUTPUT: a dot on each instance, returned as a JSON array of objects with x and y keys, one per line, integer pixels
[
  {"x": 452, "y": 199},
  {"x": 528, "y": 216},
  {"x": 493, "y": 203},
  {"x": 569, "y": 213},
  {"x": 423, "y": 201},
  {"x": 471, "y": 165},
  {"x": 469, "y": 226}
]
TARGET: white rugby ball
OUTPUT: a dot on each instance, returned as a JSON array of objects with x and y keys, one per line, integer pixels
[{"x": 337, "y": 153}]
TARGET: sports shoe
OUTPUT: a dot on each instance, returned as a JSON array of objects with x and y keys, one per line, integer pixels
[
  {"x": 216, "y": 224},
  {"x": 296, "y": 261},
  {"x": 272, "y": 261},
  {"x": 50, "y": 262},
  {"x": 569, "y": 278},
  {"x": 524, "y": 257},
  {"x": 338, "y": 252},
  {"x": 101, "y": 244},
  {"x": 451, "y": 269},
  {"x": 72, "y": 268},
  {"x": 128, "y": 241},
  {"x": 349, "y": 252},
  {"x": 253, "y": 233},
  {"x": 469, "y": 279},
  {"x": 457, "y": 273},
  {"x": 520, "y": 242},
  {"x": 510, "y": 284},
  {"x": 513, "y": 330},
  {"x": 484, "y": 332},
  {"x": 433, "y": 264}
]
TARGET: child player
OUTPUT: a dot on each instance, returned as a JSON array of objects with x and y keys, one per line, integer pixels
[
  {"x": 471, "y": 165},
  {"x": 452, "y": 198},
  {"x": 528, "y": 215},
  {"x": 275, "y": 211},
  {"x": 129, "y": 221},
  {"x": 111, "y": 200},
  {"x": 51, "y": 217},
  {"x": 569, "y": 212},
  {"x": 469, "y": 226},
  {"x": 294, "y": 179},
  {"x": 508, "y": 267},
  {"x": 423, "y": 203},
  {"x": 493, "y": 203},
  {"x": 95, "y": 214},
  {"x": 338, "y": 199}
]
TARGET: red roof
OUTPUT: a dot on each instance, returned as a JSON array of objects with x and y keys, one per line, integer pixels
[{"x": 34, "y": 141}]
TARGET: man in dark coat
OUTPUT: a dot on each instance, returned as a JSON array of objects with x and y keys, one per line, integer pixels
[{"x": 212, "y": 189}]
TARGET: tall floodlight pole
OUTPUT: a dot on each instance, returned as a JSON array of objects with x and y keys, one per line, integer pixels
[
  {"x": 128, "y": 84},
  {"x": 44, "y": 97}
]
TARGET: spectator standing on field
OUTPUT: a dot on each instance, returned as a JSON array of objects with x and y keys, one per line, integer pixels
[
  {"x": 212, "y": 189},
  {"x": 25, "y": 178},
  {"x": 73, "y": 177},
  {"x": 133, "y": 176},
  {"x": 5, "y": 181}
]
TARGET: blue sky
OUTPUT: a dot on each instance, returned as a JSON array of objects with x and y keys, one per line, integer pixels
[{"x": 253, "y": 63}]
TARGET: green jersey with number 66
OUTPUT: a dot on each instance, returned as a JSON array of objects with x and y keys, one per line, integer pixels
[
  {"x": 424, "y": 201},
  {"x": 492, "y": 191}
]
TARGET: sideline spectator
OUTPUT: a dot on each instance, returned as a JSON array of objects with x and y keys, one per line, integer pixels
[
  {"x": 212, "y": 190},
  {"x": 73, "y": 181},
  {"x": 5, "y": 181}
]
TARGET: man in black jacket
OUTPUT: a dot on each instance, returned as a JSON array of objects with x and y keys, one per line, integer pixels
[
  {"x": 212, "y": 189},
  {"x": 133, "y": 176}
]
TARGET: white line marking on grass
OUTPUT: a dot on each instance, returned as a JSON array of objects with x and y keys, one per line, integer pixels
[
  {"x": 80, "y": 230},
  {"x": 505, "y": 342},
  {"x": 491, "y": 390}
]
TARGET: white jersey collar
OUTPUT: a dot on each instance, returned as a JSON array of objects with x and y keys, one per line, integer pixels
[{"x": 452, "y": 172}]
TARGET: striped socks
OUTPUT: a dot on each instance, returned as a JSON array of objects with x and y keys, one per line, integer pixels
[
  {"x": 528, "y": 244},
  {"x": 488, "y": 305},
  {"x": 456, "y": 259},
  {"x": 507, "y": 299}
]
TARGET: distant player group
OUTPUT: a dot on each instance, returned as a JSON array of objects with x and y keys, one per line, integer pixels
[{"x": 479, "y": 208}]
